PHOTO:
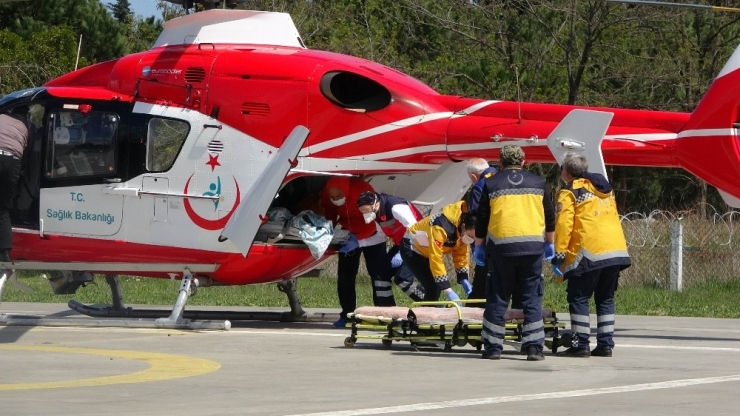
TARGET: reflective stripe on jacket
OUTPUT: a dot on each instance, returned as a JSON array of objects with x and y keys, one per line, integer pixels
[
  {"x": 518, "y": 212},
  {"x": 588, "y": 233},
  {"x": 443, "y": 236}
]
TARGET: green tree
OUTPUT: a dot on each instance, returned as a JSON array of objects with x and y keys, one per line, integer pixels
[
  {"x": 103, "y": 37},
  {"x": 144, "y": 31},
  {"x": 22, "y": 66},
  {"x": 121, "y": 11}
]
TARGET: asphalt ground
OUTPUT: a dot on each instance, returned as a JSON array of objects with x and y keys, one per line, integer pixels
[{"x": 661, "y": 366}]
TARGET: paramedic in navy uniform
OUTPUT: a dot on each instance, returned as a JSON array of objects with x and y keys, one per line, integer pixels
[
  {"x": 394, "y": 215},
  {"x": 517, "y": 221}
]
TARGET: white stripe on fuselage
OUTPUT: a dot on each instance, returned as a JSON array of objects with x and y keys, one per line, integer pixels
[
  {"x": 473, "y": 108},
  {"x": 396, "y": 125},
  {"x": 639, "y": 137},
  {"x": 375, "y": 131},
  {"x": 403, "y": 152},
  {"x": 367, "y": 165},
  {"x": 706, "y": 133}
]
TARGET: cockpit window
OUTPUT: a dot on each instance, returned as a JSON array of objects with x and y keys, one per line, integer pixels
[
  {"x": 354, "y": 91},
  {"x": 164, "y": 140},
  {"x": 82, "y": 144}
]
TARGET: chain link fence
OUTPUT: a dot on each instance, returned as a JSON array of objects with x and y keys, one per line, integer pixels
[{"x": 710, "y": 251}]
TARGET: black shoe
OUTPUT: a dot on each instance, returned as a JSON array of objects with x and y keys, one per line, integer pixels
[
  {"x": 565, "y": 340},
  {"x": 491, "y": 355},
  {"x": 534, "y": 354},
  {"x": 602, "y": 351},
  {"x": 582, "y": 352}
]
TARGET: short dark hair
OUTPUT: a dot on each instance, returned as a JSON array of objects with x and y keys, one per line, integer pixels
[
  {"x": 367, "y": 198},
  {"x": 468, "y": 220}
]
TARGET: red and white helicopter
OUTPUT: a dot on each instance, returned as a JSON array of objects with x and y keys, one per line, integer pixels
[{"x": 164, "y": 163}]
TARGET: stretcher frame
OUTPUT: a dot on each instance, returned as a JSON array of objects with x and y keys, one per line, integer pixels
[{"x": 443, "y": 335}]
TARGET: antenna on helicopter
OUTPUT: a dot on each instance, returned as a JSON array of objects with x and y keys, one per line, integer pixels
[{"x": 688, "y": 5}]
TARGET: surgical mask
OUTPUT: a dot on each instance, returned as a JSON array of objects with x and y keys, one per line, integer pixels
[
  {"x": 466, "y": 239},
  {"x": 339, "y": 202},
  {"x": 369, "y": 217}
]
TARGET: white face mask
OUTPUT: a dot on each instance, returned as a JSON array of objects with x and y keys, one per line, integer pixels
[
  {"x": 466, "y": 239},
  {"x": 369, "y": 217},
  {"x": 339, "y": 202}
]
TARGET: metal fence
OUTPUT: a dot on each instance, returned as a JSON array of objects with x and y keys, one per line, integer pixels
[{"x": 709, "y": 250}]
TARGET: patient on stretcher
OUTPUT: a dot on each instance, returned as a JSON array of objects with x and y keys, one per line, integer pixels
[{"x": 433, "y": 315}]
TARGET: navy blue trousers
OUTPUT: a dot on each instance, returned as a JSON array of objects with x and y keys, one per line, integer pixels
[
  {"x": 601, "y": 284},
  {"x": 506, "y": 274},
  {"x": 347, "y": 268},
  {"x": 403, "y": 278},
  {"x": 419, "y": 267}
]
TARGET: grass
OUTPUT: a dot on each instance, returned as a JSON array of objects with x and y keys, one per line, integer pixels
[{"x": 711, "y": 298}]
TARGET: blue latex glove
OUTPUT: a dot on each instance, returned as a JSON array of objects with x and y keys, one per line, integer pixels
[
  {"x": 451, "y": 295},
  {"x": 556, "y": 270},
  {"x": 349, "y": 245},
  {"x": 396, "y": 260},
  {"x": 549, "y": 251},
  {"x": 479, "y": 255},
  {"x": 467, "y": 287}
]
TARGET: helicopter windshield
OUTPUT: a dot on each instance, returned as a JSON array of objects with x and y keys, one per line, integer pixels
[{"x": 21, "y": 95}]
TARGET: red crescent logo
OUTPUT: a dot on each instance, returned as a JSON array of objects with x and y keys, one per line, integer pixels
[{"x": 210, "y": 224}]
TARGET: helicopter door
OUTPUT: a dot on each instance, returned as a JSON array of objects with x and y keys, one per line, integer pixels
[
  {"x": 80, "y": 156},
  {"x": 249, "y": 216}
]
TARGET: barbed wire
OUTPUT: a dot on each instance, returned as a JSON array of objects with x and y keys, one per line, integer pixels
[{"x": 18, "y": 76}]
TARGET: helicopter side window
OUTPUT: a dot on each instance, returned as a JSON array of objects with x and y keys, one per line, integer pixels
[
  {"x": 82, "y": 144},
  {"x": 164, "y": 139}
]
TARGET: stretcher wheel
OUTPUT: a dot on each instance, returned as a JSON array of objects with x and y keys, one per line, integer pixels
[
  {"x": 448, "y": 346},
  {"x": 349, "y": 342},
  {"x": 387, "y": 342},
  {"x": 565, "y": 340}
]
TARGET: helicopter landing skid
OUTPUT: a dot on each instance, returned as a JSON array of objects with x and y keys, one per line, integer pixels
[
  {"x": 175, "y": 320},
  {"x": 119, "y": 310}
]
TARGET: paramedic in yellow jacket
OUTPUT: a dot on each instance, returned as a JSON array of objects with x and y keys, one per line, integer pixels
[
  {"x": 590, "y": 251},
  {"x": 426, "y": 242},
  {"x": 516, "y": 217}
]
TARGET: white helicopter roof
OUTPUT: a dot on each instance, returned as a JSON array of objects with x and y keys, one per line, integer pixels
[{"x": 231, "y": 26}]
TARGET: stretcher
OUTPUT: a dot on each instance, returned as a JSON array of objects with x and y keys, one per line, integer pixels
[{"x": 443, "y": 324}]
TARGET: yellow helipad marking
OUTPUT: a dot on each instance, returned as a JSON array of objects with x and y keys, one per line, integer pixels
[{"x": 161, "y": 367}]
